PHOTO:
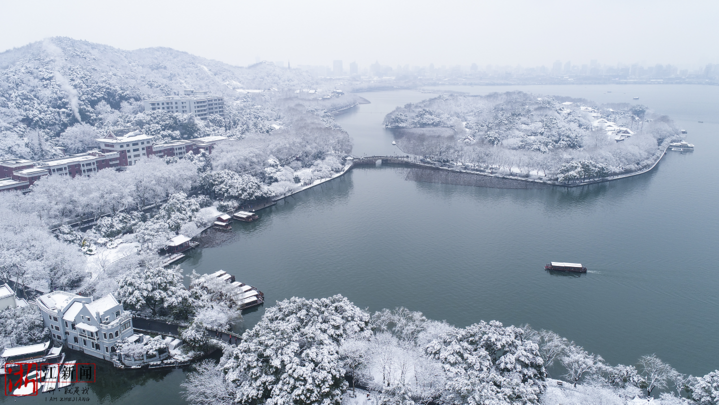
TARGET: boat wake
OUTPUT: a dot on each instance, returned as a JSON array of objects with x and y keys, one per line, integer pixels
[{"x": 594, "y": 272}]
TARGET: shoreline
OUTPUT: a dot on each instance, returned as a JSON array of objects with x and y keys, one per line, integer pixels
[{"x": 406, "y": 161}]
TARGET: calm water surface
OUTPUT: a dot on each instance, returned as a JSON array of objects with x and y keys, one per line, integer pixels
[{"x": 465, "y": 254}]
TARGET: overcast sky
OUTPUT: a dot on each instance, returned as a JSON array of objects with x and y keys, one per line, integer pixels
[{"x": 443, "y": 32}]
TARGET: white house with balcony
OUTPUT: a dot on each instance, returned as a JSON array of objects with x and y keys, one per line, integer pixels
[{"x": 91, "y": 327}]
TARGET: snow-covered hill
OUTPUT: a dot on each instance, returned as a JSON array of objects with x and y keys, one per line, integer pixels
[
  {"x": 533, "y": 136},
  {"x": 53, "y": 84}
]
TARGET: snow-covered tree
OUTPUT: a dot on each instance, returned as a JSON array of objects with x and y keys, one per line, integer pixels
[
  {"x": 157, "y": 288},
  {"x": 207, "y": 386},
  {"x": 354, "y": 355},
  {"x": 655, "y": 372},
  {"x": 579, "y": 363},
  {"x": 79, "y": 138},
  {"x": 292, "y": 355},
  {"x": 22, "y": 326},
  {"x": 489, "y": 363},
  {"x": 705, "y": 390}
]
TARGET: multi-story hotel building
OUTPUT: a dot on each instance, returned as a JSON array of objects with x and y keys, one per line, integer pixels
[
  {"x": 82, "y": 164},
  {"x": 117, "y": 151},
  {"x": 199, "y": 103},
  {"x": 92, "y": 327},
  {"x": 130, "y": 147}
]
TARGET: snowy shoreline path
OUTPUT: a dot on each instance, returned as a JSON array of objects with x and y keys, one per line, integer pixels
[{"x": 416, "y": 163}]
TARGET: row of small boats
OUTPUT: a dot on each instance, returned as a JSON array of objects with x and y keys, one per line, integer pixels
[{"x": 223, "y": 221}]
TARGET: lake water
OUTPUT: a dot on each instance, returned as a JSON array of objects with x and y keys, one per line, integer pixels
[{"x": 465, "y": 254}]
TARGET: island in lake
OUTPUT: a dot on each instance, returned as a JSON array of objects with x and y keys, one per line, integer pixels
[{"x": 552, "y": 139}]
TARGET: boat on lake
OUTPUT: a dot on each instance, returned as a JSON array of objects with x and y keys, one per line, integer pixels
[
  {"x": 636, "y": 98},
  {"x": 683, "y": 131},
  {"x": 682, "y": 146},
  {"x": 562, "y": 266},
  {"x": 40, "y": 353},
  {"x": 394, "y": 143},
  {"x": 223, "y": 223},
  {"x": 245, "y": 216}
]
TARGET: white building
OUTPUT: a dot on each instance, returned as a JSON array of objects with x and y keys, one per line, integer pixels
[
  {"x": 131, "y": 147},
  {"x": 92, "y": 327},
  {"x": 199, "y": 103},
  {"x": 7, "y": 297},
  {"x": 82, "y": 164}
]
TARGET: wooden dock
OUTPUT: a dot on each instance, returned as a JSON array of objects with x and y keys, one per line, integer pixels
[{"x": 173, "y": 259}]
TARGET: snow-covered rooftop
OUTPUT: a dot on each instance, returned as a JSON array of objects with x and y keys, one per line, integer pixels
[
  {"x": 79, "y": 158},
  {"x": 87, "y": 327},
  {"x": 57, "y": 300},
  {"x": 210, "y": 139},
  {"x": 71, "y": 313},
  {"x": 6, "y": 291},
  {"x": 178, "y": 240},
  {"x": 131, "y": 137},
  {"x": 563, "y": 264},
  {"x": 33, "y": 171},
  {"x": 10, "y": 183},
  {"x": 102, "y": 305},
  {"x": 15, "y": 162},
  {"x": 25, "y": 350}
]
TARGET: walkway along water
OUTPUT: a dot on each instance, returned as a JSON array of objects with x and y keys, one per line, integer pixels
[{"x": 409, "y": 161}]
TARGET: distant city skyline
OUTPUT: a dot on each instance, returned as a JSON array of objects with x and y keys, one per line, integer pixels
[{"x": 318, "y": 32}]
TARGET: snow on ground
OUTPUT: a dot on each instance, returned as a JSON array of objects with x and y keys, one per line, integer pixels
[
  {"x": 105, "y": 257},
  {"x": 205, "y": 216},
  {"x": 361, "y": 398},
  {"x": 586, "y": 394}
]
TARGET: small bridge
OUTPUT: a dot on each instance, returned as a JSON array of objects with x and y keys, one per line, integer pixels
[{"x": 389, "y": 160}]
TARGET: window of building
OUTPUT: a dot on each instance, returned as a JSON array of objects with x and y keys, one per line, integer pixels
[
  {"x": 117, "y": 314},
  {"x": 73, "y": 326},
  {"x": 75, "y": 339},
  {"x": 84, "y": 342},
  {"x": 104, "y": 334},
  {"x": 54, "y": 318},
  {"x": 106, "y": 349},
  {"x": 116, "y": 333}
]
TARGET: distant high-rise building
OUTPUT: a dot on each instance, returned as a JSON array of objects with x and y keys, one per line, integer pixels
[
  {"x": 337, "y": 68},
  {"x": 354, "y": 71},
  {"x": 474, "y": 67},
  {"x": 557, "y": 68},
  {"x": 567, "y": 68}
]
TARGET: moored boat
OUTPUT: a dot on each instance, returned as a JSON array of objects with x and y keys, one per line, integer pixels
[
  {"x": 682, "y": 146},
  {"x": 245, "y": 216},
  {"x": 562, "y": 266},
  {"x": 222, "y": 222},
  {"x": 39, "y": 353}
]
